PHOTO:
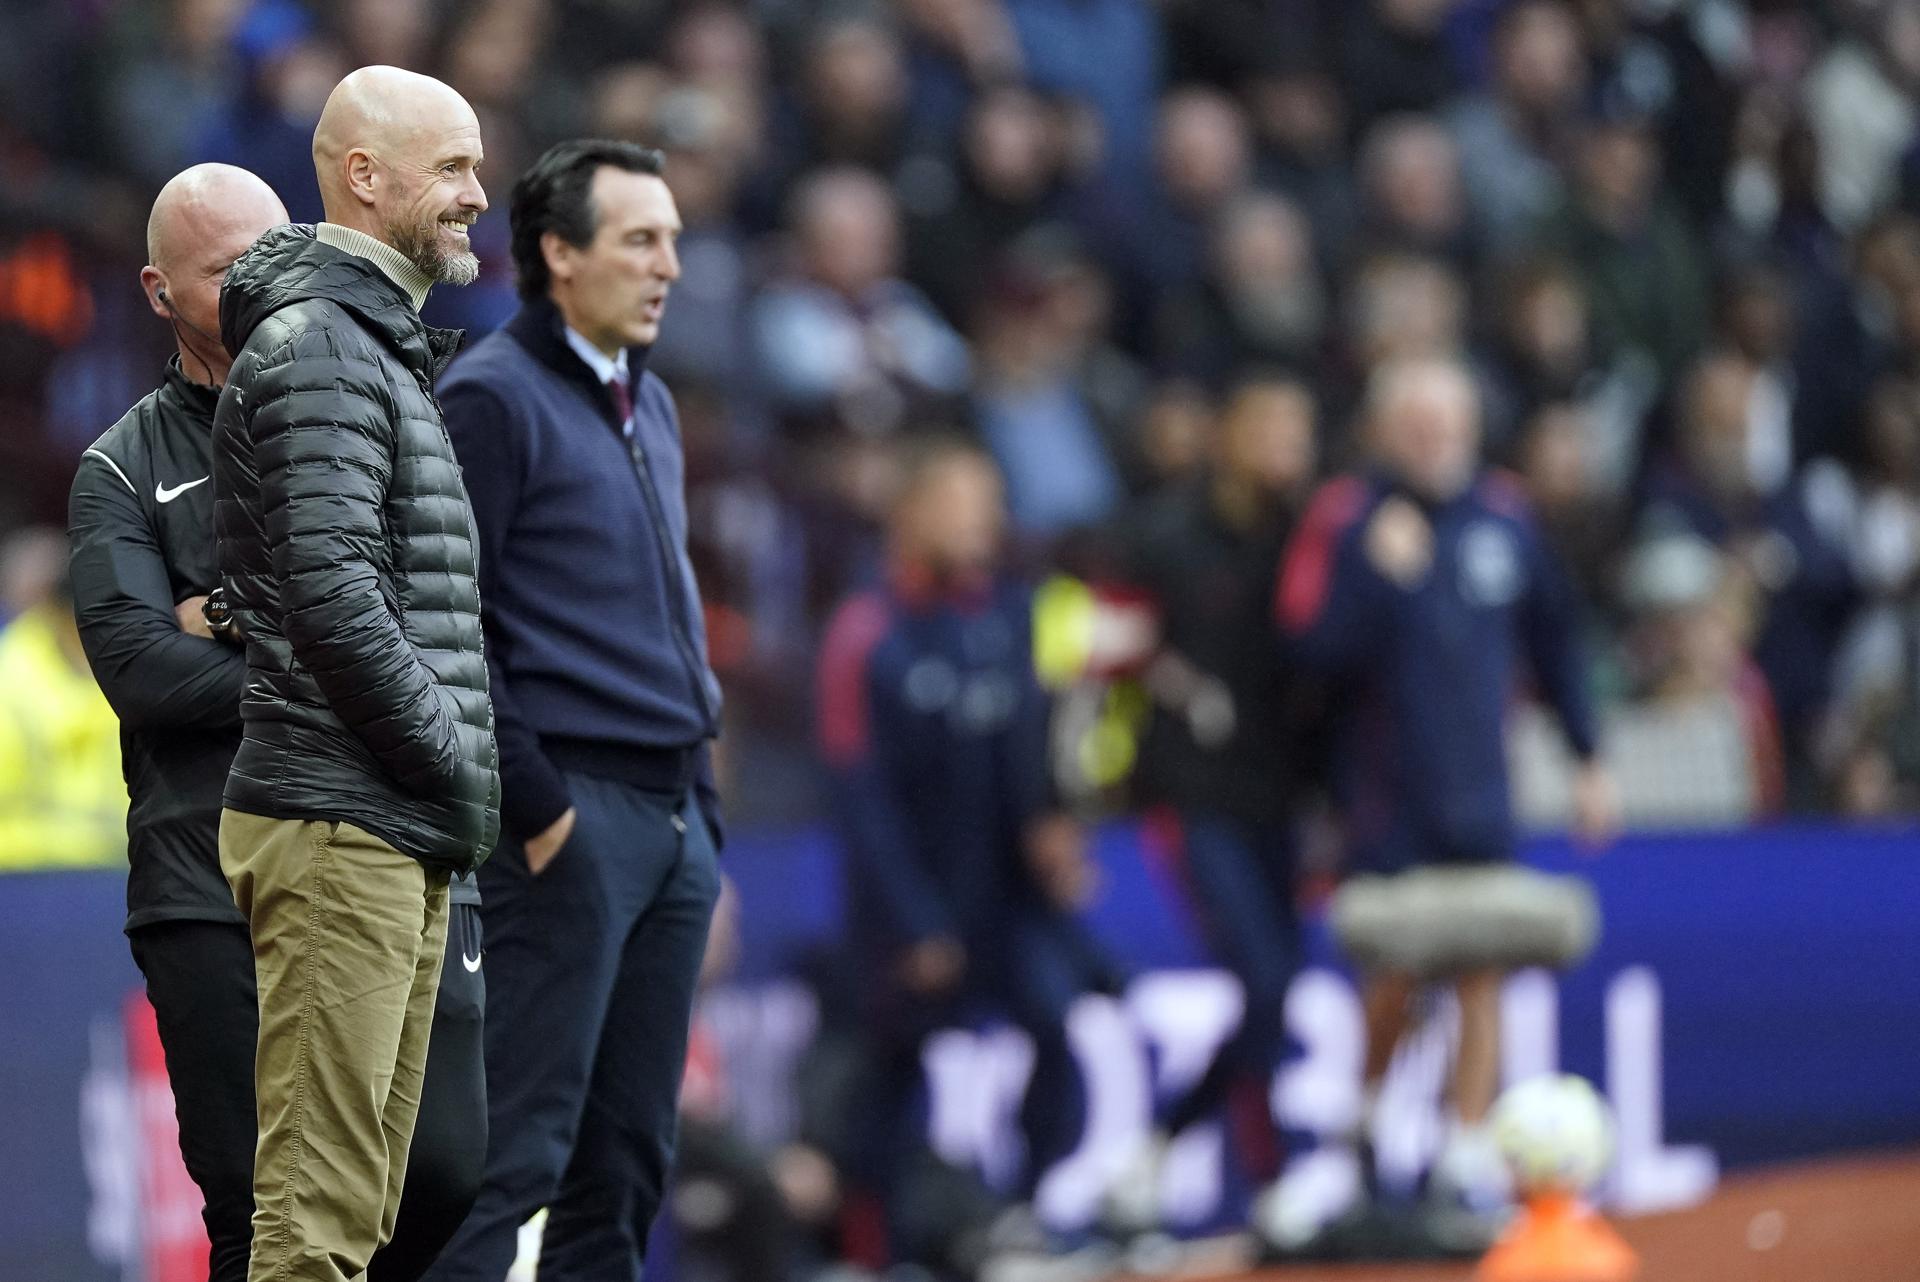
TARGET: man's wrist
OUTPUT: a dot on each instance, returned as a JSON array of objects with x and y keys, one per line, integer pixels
[{"x": 218, "y": 614}]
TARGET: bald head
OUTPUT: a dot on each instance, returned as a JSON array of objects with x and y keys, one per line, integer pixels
[
  {"x": 395, "y": 154},
  {"x": 208, "y": 203},
  {"x": 203, "y": 219},
  {"x": 1425, "y": 419}
]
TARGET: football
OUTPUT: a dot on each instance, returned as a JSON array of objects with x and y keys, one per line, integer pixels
[{"x": 1555, "y": 1133}]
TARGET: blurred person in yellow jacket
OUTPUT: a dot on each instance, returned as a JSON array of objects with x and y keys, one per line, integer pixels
[{"x": 63, "y": 802}]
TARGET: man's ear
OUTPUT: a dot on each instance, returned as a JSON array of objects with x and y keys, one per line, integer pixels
[
  {"x": 362, "y": 173},
  {"x": 152, "y": 284},
  {"x": 558, "y": 254}
]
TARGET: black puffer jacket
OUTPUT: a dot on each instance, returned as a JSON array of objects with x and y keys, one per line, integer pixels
[{"x": 347, "y": 549}]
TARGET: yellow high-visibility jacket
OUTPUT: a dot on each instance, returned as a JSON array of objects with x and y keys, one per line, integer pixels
[{"x": 63, "y": 802}]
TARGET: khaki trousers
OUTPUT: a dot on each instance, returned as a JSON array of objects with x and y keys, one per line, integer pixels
[{"x": 348, "y": 935}]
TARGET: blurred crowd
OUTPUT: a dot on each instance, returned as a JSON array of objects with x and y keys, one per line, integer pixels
[{"x": 1677, "y": 242}]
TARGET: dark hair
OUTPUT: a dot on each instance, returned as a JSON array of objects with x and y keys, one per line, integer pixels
[
  {"x": 556, "y": 195},
  {"x": 925, "y": 452}
]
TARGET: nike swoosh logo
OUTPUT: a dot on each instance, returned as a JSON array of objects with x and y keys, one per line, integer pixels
[
  {"x": 167, "y": 494},
  {"x": 471, "y": 963}
]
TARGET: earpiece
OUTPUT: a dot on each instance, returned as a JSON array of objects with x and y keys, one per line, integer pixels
[{"x": 163, "y": 296}]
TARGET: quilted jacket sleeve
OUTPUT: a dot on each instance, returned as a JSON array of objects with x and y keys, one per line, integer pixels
[{"x": 323, "y": 442}]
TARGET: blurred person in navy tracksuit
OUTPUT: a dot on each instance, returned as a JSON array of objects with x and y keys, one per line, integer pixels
[
  {"x": 1421, "y": 586},
  {"x": 963, "y": 876}
]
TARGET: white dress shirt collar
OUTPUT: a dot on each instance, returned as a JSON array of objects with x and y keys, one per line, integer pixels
[{"x": 605, "y": 368}]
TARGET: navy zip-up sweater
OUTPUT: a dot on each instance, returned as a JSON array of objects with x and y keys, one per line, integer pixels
[
  {"x": 1430, "y": 671},
  {"x": 593, "y": 622}
]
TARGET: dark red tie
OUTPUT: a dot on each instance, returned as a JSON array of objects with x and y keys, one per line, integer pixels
[{"x": 622, "y": 399}]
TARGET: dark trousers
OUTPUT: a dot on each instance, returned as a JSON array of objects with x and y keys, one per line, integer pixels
[
  {"x": 200, "y": 979},
  {"x": 1028, "y": 968},
  {"x": 1241, "y": 878},
  {"x": 594, "y": 964}
]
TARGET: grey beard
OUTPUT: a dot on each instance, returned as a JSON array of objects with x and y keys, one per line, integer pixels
[{"x": 423, "y": 250}]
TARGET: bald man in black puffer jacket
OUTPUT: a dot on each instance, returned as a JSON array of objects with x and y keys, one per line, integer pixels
[{"x": 367, "y": 771}]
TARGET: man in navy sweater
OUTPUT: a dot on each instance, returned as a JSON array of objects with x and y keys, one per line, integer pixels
[
  {"x": 1422, "y": 587},
  {"x": 599, "y": 894}
]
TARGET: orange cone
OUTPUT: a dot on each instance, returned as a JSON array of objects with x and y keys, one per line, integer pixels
[{"x": 1559, "y": 1238}]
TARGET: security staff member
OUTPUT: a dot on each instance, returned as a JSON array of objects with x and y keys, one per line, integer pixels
[{"x": 141, "y": 528}]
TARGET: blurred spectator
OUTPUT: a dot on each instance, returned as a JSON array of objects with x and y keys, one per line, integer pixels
[
  {"x": 392, "y": 33},
  {"x": 745, "y": 1215},
  {"x": 1692, "y": 621},
  {"x": 266, "y": 125},
  {"x": 1513, "y": 134},
  {"x": 1054, "y": 408},
  {"x": 1176, "y": 434},
  {"x": 1860, "y": 100},
  {"x": 33, "y": 562},
  {"x": 963, "y": 877},
  {"x": 842, "y": 341},
  {"x": 1008, "y": 180},
  {"x": 1777, "y": 538},
  {"x": 1883, "y": 502},
  {"x": 1299, "y": 122},
  {"x": 1203, "y": 160},
  {"x": 1583, "y": 518},
  {"x": 853, "y": 92},
  {"x": 175, "y": 64},
  {"x": 1394, "y": 58},
  {"x": 1106, "y": 53},
  {"x": 1755, "y": 319},
  {"x": 708, "y": 342},
  {"x": 1413, "y": 202},
  {"x": 1675, "y": 65},
  {"x": 1400, "y": 308},
  {"x": 956, "y": 49},
  {"x": 62, "y": 801},
  {"x": 1869, "y": 747},
  {"x": 1542, "y": 352},
  {"x": 1259, "y": 303},
  {"x": 1229, "y": 739},
  {"x": 1642, "y": 266}
]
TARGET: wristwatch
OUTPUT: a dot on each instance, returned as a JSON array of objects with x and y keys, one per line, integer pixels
[{"x": 218, "y": 613}]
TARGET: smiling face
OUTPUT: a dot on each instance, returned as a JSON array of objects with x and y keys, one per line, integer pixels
[
  {"x": 613, "y": 289},
  {"x": 433, "y": 195},
  {"x": 396, "y": 155}
]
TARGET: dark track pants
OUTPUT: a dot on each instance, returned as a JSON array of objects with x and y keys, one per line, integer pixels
[
  {"x": 200, "y": 981},
  {"x": 1029, "y": 969},
  {"x": 1241, "y": 878},
  {"x": 593, "y": 967}
]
